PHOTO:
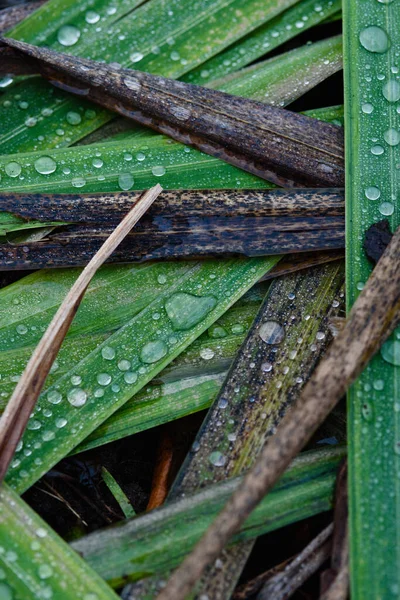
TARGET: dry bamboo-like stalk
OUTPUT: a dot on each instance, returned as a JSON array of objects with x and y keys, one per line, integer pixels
[
  {"x": 27, "y": 390},
  {"x": 373, "y": 317}
]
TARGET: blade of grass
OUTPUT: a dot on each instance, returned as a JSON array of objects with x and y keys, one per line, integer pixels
[
  {"x": 291, "y": 22},
  {"x": 118, "y": 493},
  {"x": 281, "y": 146},
  {"x": 371, "y": 81},
  {"x": 36, "y": 563},
  {"x": 98, "y": 168},
  {"x": 165, "y": 39},
  {"x": 22, "y": 402},
  {"x": 83, "y": 398},
  {"x": 158, "y": 540},
  {"x": 11, "y": 16},
  {"x": 265, "y": 379}
]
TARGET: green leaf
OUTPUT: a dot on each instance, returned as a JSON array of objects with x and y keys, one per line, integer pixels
[
  {"x": 163, "y": 38},
  {"x": 159, "y": 540},
  {"x": 292, "y": 22},
  {"x": 118, "y": 494},
  {"x": 372, "y": 45},
  {"x": 99, "y": 167},
  {"x": 80, "y": 400},
  {"x": 36, "y": 563}
]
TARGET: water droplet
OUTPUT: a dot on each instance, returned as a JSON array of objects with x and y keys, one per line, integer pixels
[
  {"x": 377, "y": 150},
  {"x": 78, "y": 182},
  {"x": 30, "y": 122},
  {"x": 374, "y": 39},
  {"x": 391, "y": 137},
  {"x": 34, "y": 424},
  {"x": 130, "y": 377},
  {"x": 140, "y": 156},
  {"x": 217, "y": 459},
  {"x": 92, "y": 17},
  {"x": 104, "y": 378},
  {"x": 6, "y": 592},
  {"x": 158, "y": 171},
  {"x": 22, "y": 329},
  {"x": 180, "y": 112},
  {"x": 124, "y": 365},
  {"x": 238, "y": 328},
  {"x": 378, "y": 385},
  {"x": 185, "y": 310},
  {"x": 97, "y": 163},
  {"x": 68, "y": 35},
  {"x": 217, "y": 332},
  {"x": 45, "y": 165},
  {"x": 386, "y": 209},
  {"x": 132, "y": 83},
  {"x": 73, "y": 118},
  {"x": 175, "y": 55},
  {"x": 222, "y": 403},
  {"x": 13, "y": 169},
  {"x": 77, "y": 397},
  {"x": 136, "y": 57},
  {"x": 266, "y": 367},
  {"x": 367, "y": 411},
  {"x": 153, "y": 351},
  {"x": 372, "y": 193},
  {"x": 391, "y": 90},
  {"x": 61, "y": 422},
  {"x": 320, "y": 335},
  {"x": 367, "y": 108},
  {"x": 125, "y": 181},
  {"x": 390, "y": 352},
  {"x": 207, "y": 353},
  {"x": 271, "y": 332},
  {"x": 54, "y": 397},
  {"x": 108, "y": 353},
  {"x": 99, "y": 393}
]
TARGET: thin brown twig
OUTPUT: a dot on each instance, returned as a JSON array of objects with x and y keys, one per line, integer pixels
[
  {"x": 371, "y": 320},
  {"x": 27, "y": 390}
]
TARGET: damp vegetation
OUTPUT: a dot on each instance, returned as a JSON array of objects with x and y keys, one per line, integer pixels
[{"x": 173, "y": 423}]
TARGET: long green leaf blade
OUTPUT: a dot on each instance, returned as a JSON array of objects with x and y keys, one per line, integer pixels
[
  {"x": 36, "y": 563},
  {"x": 372, "y": 45},
  {"x": 163, "y": 38},
  {"x": 107, "y": 377},
  {"x": 158, "y": 541}
]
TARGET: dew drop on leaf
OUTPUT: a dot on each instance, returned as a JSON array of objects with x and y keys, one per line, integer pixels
[
  {"x": 77, "y": 397},
  {"x": 185, "y": 310},
  {"x": 45, "y": 165},
  {"x": 390, "y": 352},
  {"x": 271, "y": 332},
  {"x": 68, "y": 35},
  {"x": 153, "y": 351},
  {"x": 374, "y": 39}
]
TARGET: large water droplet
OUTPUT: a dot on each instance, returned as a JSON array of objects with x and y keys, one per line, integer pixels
[
  {"x": 77, "y": 397},
  {"x": 45, "y": 165},
  {"x": 73, "y": 118},
  {"x": 391, "y": 137},
  {"x": 132, "y": 83},
  {"x": 92, "y": 17},
  {"x": 207, "y": 353},
  {"x": 125, "y": 181},
  {"x": 386, "y": 209},
  {"x": 185, "y": 310},
  {"x": 271, "y": 332},
  {"x": 54, "y": 397},
  {"x": 158, "y": 171},
  {"x": 217, "y": 459},
  {"x": 391, "y": 90},
  {"x": 153, "y": 351},
  {"x": 13, "y": 169},
  {"x": 136, "y": 57},
  {"x": 367, "y": 108},
  {"x": 374, "y": 39},
  {"x": 68, "y": 35},
  {"x": 390, "y": 352},
  {"x": 108, "y": 353},
  {"x": 104, "y": 378}
]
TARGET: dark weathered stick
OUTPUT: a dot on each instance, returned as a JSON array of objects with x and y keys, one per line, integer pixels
[
  {"x": 371, "y": 320},
  {"x": 281, "y": 146},
  {"x": 183, "y": 224},
  {"x": 16, "y": 414},
  {"x": 9, "y": 17},
  {"x": 283, "y": 585}
]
